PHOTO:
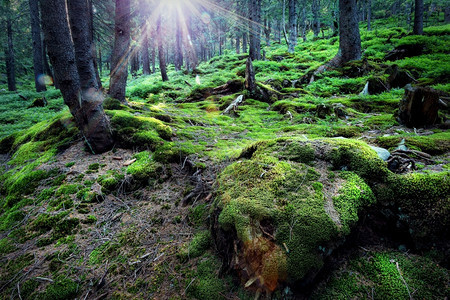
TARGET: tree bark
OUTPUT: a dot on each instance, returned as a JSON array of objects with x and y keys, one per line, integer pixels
[
  {"x": 418, "y": 17},
  {"x": 161, "y": 54},
  {"x": 38, "y": 65},
  {"x": 292, "y": 26},
  {"x": 369, "y": 15},
  {"x": 9, "y": 57},
  {"x": 254, "y": 11},
  {"x": 316, "y": 17},
  {"x": 350, "y": 40},
  {"x": 120, "y": 55},
  {"x": 85, "y": 105}
]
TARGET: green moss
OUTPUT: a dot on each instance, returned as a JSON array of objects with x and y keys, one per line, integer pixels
[
  {"x": 6, "y": 246},
  {"x": 423, "y": 204},
  {"x": 277, "y": 187},
  {"x": 207, "y": 284},
  {"x": 110, "y": 181},
  {"x": 135, "y": 130},
  {"x": 94, "y": 167},
  {"x": 353, "y": 195},
  {"x": 63, "y": 288},
  {"x": 383, "y": 275},
  {"x": 435, "y": 144},
  {"x": 199, "y": 244},
  {"x": 145, "y": 170}
]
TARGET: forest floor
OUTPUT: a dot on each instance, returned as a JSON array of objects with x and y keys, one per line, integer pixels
[{"x": 135, "y": 222}]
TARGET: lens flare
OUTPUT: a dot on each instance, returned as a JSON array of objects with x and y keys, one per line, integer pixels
[{"x": 45, "y": 79}]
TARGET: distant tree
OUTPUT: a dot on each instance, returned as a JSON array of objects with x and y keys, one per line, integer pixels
[
  {"x": 292, "y": 25},
  {"x": 315, "y": 7},
  {"x": 75, "y": 72},
  {"x": 161, "y": 52},
  {"x": 38, "y": 64},
  {"x": 178, "y": 43},
  {"x": 120, "y": 53},
  {"x": 369, "y": 15},
  {"x": 9, "y": 56},
  {"x": 418, "y": 17},
  {"x": 447, "y": 14}
]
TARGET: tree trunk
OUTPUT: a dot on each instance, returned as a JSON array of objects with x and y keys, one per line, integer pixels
[
  {"x": 350, "y": 40},
  {"x": 134, "y": 61},
  {"x": 85, "y": 106},
  {"x": 292, "y": 26},
  {"x": 238, "y": 42},
  {"x": 267, "y": 30},
  {"x": 244, "y": 42},
  {"x": 9, "y": 57},
  {"x": 38, "y": 65},
  {"x": 47, "y": 69},
  {"x": 316, "y": 17},
  {"x": 93, "y": 48},
  {"x": 447, "y": 15},
  {"x": 303, "y": 24},
  {"x": 120, "y": 55},
  {"x": 161, "y": 54},
  {"x": 369, "y": 15},
  {"x": 178, "y": 45},
  {"x": 418, "y": 17}
]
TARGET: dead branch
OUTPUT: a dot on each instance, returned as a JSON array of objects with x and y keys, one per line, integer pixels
[{"x": 233, "y": 105}]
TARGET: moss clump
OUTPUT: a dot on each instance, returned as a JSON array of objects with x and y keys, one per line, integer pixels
[
  {"x": 423, "y": 205},
  {"x": 353, "y": 195},
  {"x": 63, "y": 289},
  {"x": 136, "y": 130},
  {"x": 110, "y": 181},
  {"x": 383, "y": 275},
  {"x": 6, "y": 246},
  {"x": 199, "y": 244},
  {"x": 208, "y": 285},
  {"x": 145, "y": 170}
]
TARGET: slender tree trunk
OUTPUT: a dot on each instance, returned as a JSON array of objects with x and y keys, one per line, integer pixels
[
  {"x": 145, "y": 54},
  {"x": 134, "y": 61},
  {"x": 120, "y": 54},
  {"x": 267, "y": 30},
  {"x": 418, "y": 17},
  {"x": 178, "y": 45},
  {"x": 244, "y": 42},
  {"x": 447, "y": 14},
  {"x": 100, "y": 58},
  {"x": 161, "y": 54},
  {"x": 350, "y": 40},
  {"x": 38, "y": 65},
  {"x": 303, "y": 24},
  {"x": 254, "y": 10},
  {"x": 316, "y": 17},
  {"x": 369, "y": 15},
  {"x": 85, "y": 105},
  {"x": 93, "y": 48},
  {"x": 238, "y": 41},
  {"x": 292, "y": 26},
  {"x": 9, "y": 57}
]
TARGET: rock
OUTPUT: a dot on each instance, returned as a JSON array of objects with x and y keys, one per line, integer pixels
[
  {"x": 419, "y": 107},
  {"x": 381, "y": 152}
]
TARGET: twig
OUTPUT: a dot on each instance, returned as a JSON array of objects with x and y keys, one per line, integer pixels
[{"x": 404, "y": 282}]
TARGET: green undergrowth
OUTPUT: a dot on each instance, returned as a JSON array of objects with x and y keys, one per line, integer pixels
[{"x": 386, "y": 275}]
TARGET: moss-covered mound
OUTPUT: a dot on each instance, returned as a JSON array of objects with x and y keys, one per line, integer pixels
[{"x": 289, "y": 203}]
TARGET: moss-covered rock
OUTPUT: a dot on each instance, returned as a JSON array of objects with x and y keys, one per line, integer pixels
[{"x": 285, "y": 212}]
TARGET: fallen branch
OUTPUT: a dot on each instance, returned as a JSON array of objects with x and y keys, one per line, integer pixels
[{"x": 233, "y": 105}]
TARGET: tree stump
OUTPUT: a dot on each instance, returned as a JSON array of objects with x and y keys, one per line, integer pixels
[{"x": 419, "y": 107}]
